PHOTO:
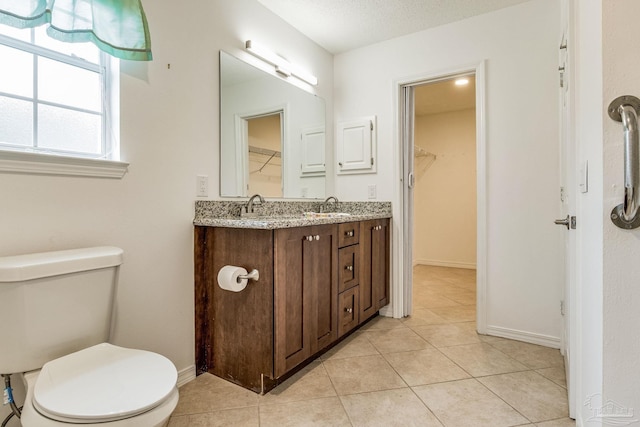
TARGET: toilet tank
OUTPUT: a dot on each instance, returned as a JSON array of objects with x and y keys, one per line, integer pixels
[{"x": 55, "y": 303}]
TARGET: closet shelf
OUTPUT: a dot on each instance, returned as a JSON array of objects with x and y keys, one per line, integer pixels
[
  {"x": 264, "y": 151},
  {"x": 421, "y": 152}
]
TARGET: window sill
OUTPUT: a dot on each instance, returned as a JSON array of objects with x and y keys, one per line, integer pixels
[{"x": 46, "y": 164}]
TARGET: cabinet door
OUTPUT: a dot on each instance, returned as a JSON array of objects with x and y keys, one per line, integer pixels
[
  {"x": 374, "y": 266},
  {"x": 305, "y": 293},
  {"x": 321, "y": 273},
  {"x": 348, "y": 310},
  {"x": 380, "y": 263},
  {"x": 348, "y": 271}
]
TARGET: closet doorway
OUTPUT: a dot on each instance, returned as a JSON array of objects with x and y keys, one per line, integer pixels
[
  {"x": 444, "y": 199},
  {"x": 436, "y": 230}
]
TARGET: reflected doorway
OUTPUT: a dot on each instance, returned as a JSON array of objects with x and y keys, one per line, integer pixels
[{"x": 264, "y": 135}]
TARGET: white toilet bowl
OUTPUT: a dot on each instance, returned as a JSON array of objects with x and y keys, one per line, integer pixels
[{"x": 103, "y": 385}]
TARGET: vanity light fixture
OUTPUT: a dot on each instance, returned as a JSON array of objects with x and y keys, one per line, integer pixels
[
  {"x": 282, "y": 66},
  {"x": 462, "y": 81}
]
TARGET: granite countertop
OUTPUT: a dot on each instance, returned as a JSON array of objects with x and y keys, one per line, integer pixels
[{"x": 285, "y": 214}]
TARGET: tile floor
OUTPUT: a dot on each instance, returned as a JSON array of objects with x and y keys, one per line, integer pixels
[{"x": 431, "y": 369}]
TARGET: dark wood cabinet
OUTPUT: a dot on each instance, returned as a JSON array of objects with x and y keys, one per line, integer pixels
[
  {"x": 348, "y": 310},
  {"x": 317, "y": 283},
  {"x": 305, "y": 293},
  {"x": 374, "y": 266}
]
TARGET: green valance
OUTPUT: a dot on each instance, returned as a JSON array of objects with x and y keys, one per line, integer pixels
[{"x": 118, "y": 27}]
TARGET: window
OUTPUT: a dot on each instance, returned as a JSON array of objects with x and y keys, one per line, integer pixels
[{"x": 55, "y": 103}]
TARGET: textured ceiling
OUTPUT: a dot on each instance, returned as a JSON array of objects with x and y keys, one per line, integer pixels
[
  {"x": 342, "y": 25},
  {"x": 444, "y": 96}
]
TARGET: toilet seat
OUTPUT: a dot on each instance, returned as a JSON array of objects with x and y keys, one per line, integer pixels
[{"x": 103, "y": 383}]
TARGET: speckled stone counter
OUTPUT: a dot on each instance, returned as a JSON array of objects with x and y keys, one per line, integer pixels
[{"x": 284, "y": 214}]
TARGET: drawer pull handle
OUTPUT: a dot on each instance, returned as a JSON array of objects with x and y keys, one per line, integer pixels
[
  {"x": 317, "y": 237},
  {"x": 349, "y": 233},
  {"x": 349, "y": 267},
  {"x": 349, "y": 310}
]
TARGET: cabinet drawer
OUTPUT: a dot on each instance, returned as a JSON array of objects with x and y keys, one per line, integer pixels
[
  {"x": 348, "y": 309},
  {"x": 348, "y": 267},
  {"x": 348, "y": 234}
]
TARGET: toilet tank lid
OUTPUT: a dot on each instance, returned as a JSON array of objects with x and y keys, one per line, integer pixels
[{"x": 46, "y": 264}]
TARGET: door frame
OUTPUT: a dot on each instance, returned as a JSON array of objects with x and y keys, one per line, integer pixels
[
  {"x": 240, "y": 122},
  {"x": 402, "y": 291}
]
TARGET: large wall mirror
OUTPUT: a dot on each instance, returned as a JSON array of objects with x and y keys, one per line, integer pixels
[{"x": 272, "y": 135}]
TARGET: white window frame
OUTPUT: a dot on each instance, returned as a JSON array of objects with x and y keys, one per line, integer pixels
[{"x": 57, "y": 162}]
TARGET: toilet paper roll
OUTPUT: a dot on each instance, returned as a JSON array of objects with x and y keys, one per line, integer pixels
[{"x": 228, "y": 278}]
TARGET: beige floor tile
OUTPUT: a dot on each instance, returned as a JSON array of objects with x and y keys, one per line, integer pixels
[
  {"x": 562, "y": 422},
  {"x": 390, "y": 408},
  {"x": 531, "y": 355},
  {"x": 209, "y": 393},
  {"x": 452, "y": 291},
  {"x": 422, "y": 317},
  {"x": 468, "y": 285},
  {"x": 491, "y": 339},
  {"x": 394, "y": 340},
  {"x": 467, "y": 403},
  {"x": 464, "y": 298},
  {"x": 461, "y": 313},
  {"x": 323, "y": 412},
  {"x": 534, "y": 396},
  {"x": 241, "y": 417},
  {"x": 362, "y": 374},
  {"x": 482, "y": 359},
  {"x": 382, "y": 322},
  {"x": 469, "y": 326},
  {"x": 447, "y": 335},
  {"x": 355, "y": 345},
  {"x": 179, "y": 421},
  {"x": 433, "y": 301},
  {"x": 312, "y": 382},
  {"x": 556, "y": 374},
  {"x": 425, "y": 367}
]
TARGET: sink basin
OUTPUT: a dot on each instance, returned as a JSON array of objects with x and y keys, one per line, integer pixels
[{"x": 325, "y": 214}]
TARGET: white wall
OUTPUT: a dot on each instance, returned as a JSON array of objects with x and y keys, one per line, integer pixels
[
  {"x": 169, "y": 134},
  {"x": 524, "y": 275},
  {"x": 445, "y": 192},
  {"x": 588, "y": 130},
  {"x": 621, "y": 248}
]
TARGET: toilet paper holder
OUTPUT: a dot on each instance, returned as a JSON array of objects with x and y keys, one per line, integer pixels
[{"x": 252, "y": 275}]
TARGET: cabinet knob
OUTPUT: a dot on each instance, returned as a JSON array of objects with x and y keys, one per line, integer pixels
[
  {"x": 349, "y": 310},
  {"x": 317, "y": 237},
  {"x": 349, "y": 267},
  {"x": 349, "y": 233},
  {"x": 308, "y": 238}
]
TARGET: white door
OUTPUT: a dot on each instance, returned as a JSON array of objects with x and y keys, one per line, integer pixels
[{"x": 573, "y": 180}]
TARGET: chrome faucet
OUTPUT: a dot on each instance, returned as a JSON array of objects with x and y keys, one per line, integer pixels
[
  {"x": 323, "y": 207},
  {"x": 248, "y": 209}
]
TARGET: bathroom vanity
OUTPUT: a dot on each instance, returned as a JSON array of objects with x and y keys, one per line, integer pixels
[{"x": 320, "y": 278}]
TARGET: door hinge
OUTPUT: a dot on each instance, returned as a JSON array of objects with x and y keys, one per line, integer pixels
[
  {"x": 562, "y": 308},
  {"x": 372, "y": 161},
  {"x": 371, "y": 126}
]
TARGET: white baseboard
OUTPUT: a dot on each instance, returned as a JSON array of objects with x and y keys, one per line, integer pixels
[
  {"x": 529, "y": 337},
  {"x": 437, "y": 263},
  {"x": 187, "y": 374}
]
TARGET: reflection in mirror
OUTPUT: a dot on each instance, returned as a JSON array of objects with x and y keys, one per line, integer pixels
[
  {"x": 290, "y": 162},
  {"x": 265, "y": 155}
]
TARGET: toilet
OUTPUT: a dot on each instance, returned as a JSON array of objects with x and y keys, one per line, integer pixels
[{"x": 56, "y": 320}]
